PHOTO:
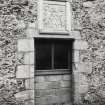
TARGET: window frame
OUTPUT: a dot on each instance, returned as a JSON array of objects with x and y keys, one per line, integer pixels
[{"x": 56, "y": 71}]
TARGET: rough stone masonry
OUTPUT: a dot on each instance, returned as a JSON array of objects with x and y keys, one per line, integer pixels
[{"x": 19, "y": 25}]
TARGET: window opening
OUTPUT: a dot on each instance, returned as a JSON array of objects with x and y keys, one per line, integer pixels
[{"x": 53, "y": 54}]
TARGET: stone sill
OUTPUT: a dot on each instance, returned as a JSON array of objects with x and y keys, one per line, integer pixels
[
  {"x": 67, "y": 37},
  {"x": 53, "y": 72},
  {"x": 60, "y": 0},
  {"x": 58, "y": 34},
  {"x": 43, "y": 32}
]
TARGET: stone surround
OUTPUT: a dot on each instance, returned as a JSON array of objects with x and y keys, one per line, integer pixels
[{"x": 19, "y": 26}]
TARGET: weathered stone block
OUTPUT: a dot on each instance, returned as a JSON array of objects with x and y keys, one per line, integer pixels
[
  {"x": 80, "y": 45},
  {"x": 25, "y": 45},
  {"x": 31, "y": 42},
  {"x": 25, "y": 71},
  {"x": 76, "y": 56},
  {"x": 31, "y": 32},
  {"x": 25, "y": 95},
  {"x": 75, "y": 34},
  {"x": 88, "y": 4},
  {"x": 29, "y": 83},
  {"x": 76, "y": 77},
  {"x": 29, "y": 58},
  {"x": 85, "y": 67},
  {"x": 76, "y": 24},
  {"x": 83, "y": 88},
  {"x": 22, "y": 95},
  {"x": 83, "y": 79},
  {"x": 31, "y": 94}
]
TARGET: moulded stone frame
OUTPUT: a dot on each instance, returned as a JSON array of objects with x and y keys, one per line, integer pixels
[
  {"x": 27, "y": 70},
  {"x": 68, "y": 18},
  {"x": 27, "y": 46}
]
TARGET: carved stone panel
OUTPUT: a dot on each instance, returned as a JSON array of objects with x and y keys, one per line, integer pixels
[{"x": 54, "y": 15}]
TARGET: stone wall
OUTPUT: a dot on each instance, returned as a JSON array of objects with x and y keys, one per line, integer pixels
[
  {"x": 16, "y": 17},
  {"x": 90, "y": 21},
  {"x": 18, "y": 26}
]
